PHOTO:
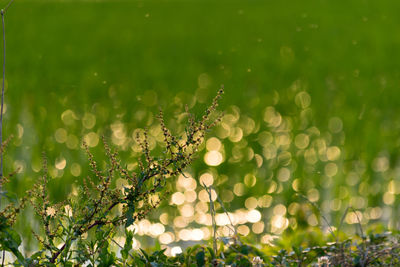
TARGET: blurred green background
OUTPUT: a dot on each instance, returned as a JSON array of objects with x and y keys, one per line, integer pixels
[{"x": 311, "y": 104}]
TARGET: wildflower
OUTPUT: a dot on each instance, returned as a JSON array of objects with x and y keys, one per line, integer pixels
[
  {"x": 50, "y": 211},
  {"x": 323, "y": 261},
  {"x": 257, "y": 261},
  {"x": 68, "y": 210}
]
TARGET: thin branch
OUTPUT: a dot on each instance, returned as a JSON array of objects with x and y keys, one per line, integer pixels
[
  {"x": 2, "y": 90},
  {"x": 2, "y": 98},
  {"x": 8, "y": 5},
  {"x": 56, "y": 254},
  {"x": 212, "y": 211},
  {"x": 3, "y": 11},
  {"x": 233, "y": 229},
  {"x": 322, "y": 215}
]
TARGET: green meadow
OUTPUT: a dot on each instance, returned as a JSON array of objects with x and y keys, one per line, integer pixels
[{"x": 311, "y": 106}]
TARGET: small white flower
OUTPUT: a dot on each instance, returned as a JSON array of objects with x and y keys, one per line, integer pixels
[
  {"x": 50, "y": 211},
  {"x": 68, "y": 210},
  {"x": 257, "y": 261},
  {"x": 323, "y": 261}
]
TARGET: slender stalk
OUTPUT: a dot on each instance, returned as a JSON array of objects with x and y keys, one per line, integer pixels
[
  {"x": 8, "y": 5},
  {"x": 1, "y": 109},
  {"x": 2, "y": 90},
  {"x": 3, "y": 11},
  {"x": 212, "y": 211}
]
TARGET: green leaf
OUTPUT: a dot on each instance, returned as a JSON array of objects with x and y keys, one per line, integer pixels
[
  {"x": 200, "y": 258},
  {"x": 129, "y": 216},
  {"x": 128, "y": 244},
  {"x": 10, "y": 241},
  {"x": 189, "y": 252},
  {"x": 157, "y": 245},
  {"x": 145, "y": 255},
  {"x": 245, "y": 249},
  {"x": 244, "y": 262},
  {"x": 211, "y": 251},
  {"x": 107, "y": 258}
]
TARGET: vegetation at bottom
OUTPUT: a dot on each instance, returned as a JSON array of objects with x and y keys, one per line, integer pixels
[{"x": 376, "y": 250}]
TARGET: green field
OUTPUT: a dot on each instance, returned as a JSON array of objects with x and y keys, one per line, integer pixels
[{"x": 311, "y": 101}]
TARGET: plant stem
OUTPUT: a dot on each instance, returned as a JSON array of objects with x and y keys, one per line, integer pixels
[
  {"x": 8, "y": 5},
  {"x": 2, "y": 104},
  {"x": 1, "y": 109},
  {"x": 3, "y": 11},
  {"x": 214, "y": 223},
  {"x": 2, "y": 92},
  {"x": 56, "y": 254}
]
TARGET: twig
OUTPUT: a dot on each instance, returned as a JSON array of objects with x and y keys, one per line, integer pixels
[
  {"x": 233, "y": 229},
  {"x": 56, "y": 254},
  {"x": 3, "y": 11},
  {"x": 2, "y": 91},
  {"x": 8, "y": 5},
  {"x": 364, "y": 257},
  {"x": 214, "y": 223},
  {"x": 342, "y": 220},
  {"x": 322, "y": 215},
  {"x": 341, "y": 251}
]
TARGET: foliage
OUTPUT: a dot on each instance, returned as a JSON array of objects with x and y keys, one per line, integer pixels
[
  {"x": 79, "y": 228},
  {"x": 377, "y": 250}
]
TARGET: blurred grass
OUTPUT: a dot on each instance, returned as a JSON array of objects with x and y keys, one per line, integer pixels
[
  {"x": 55, "y": 47},
  {"x": 114, "y": 58}
]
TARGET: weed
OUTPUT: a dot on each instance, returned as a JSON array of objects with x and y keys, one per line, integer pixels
[{"x": 100, "y": 207}]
